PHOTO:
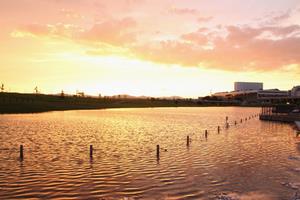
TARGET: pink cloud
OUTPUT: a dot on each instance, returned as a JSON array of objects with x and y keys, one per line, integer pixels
[
  {"x": 233, "y": 48},
  {"x": 282, "y": 16},
  {"x": 196, "y": 38},
  {"x": 204, "y": 19},
  {"x": 182, "y": 11},
  {"x": 114, "y": 32},
  {"x": 241, "y": 49},
  {"x": 276, "y": 17},
  {"x": 68, "y": 13}
]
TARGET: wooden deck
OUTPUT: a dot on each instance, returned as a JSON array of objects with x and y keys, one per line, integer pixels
[
  {"x": 297, "y": 125},
  {"x": 288, "y": 118}
]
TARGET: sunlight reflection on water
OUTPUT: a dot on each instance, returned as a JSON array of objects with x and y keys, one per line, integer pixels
[{"x": 251, "y": 158}]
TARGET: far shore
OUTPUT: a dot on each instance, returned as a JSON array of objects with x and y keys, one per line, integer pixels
[{"x": 16, "y": 103}]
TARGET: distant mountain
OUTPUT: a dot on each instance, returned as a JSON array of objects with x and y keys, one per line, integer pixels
[{"x": 126, "y": 96}]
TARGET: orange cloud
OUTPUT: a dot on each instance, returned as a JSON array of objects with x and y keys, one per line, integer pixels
[
  {"x": 112, "y": 32},
  {"x": 40, "y": 30}
]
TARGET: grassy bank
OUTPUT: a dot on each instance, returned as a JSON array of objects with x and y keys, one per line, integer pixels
[{"x": 32, "y": 103}]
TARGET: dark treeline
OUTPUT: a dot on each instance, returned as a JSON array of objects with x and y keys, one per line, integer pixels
[{"x": 31, "y": 103}]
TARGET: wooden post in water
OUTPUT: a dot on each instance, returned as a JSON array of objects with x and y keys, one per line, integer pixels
[
  {"x": 157, "y": 152},
  {"x": 206, "y": 133},
  {"x": 218, "y": 129},
  {"x": 188, "y": 141},
  {"x": 21, "y": 153},
  {"x": 241, "y": 120},
  {"x": 235, "y": 122},
  {"x": 91, "y": 151}
]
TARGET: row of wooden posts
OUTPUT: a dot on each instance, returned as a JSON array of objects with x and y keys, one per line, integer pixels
[
  {"x": 205, "y": 134},
  {"x": 157, "y": 146}
]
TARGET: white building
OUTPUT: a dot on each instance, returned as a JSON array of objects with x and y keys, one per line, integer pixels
[{"x": 245, "y": 86}]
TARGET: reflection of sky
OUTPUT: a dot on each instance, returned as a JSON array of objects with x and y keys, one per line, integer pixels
[{"x": 252, "y": 158}]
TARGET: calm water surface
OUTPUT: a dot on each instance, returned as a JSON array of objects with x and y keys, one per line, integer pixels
[{"x": 256, "y": 160}]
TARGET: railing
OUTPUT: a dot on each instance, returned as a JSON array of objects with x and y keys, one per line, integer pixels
[{"x": 273, "y": 113}]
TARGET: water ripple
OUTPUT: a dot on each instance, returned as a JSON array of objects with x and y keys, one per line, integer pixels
[{"x": 250, "y": 156}]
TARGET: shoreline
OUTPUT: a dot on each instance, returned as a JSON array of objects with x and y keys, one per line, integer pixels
[
  {"x": 34, "y": 111},
  {"x": 17, "y": 103}
]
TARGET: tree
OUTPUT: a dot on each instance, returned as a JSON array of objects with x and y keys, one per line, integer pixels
[
  {"x": 2, "y": 87},
  {"x": 79, "y": 94},
  {"x": 36, "y": 89}
]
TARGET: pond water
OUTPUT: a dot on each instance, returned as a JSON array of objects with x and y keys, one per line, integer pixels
[{"x": 250, "y": 160}]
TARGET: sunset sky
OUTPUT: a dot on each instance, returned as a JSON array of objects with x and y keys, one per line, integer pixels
[{"x": 148, "y": 47}]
